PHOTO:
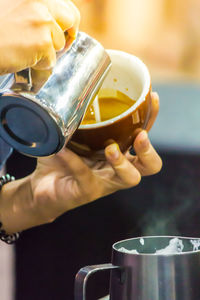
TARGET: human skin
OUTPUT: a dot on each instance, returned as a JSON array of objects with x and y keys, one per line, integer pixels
[
  {"x": 33, "y": 31},
  {"x": 65, "y": 181}
]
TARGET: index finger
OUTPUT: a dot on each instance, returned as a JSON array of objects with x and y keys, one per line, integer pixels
[
  {"x": 65, "y": 14},
  {"x": 74, "y": 29}
]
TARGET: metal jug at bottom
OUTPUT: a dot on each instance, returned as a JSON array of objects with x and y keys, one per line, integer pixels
[
  {"x": 40, "y": 110},
  {"x": 149, "y": 268}
]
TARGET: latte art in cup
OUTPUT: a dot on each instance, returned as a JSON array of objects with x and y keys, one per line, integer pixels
[
  {"x": 121, "y": 109},
  {"x": 107, "y": 105}
]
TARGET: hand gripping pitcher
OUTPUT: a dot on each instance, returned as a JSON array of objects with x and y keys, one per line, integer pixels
[{"x": 40, "y": 110}]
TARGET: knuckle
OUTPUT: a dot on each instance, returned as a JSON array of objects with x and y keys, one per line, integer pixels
[
  {"x": 46, "y": 43},
  {"x": 42, "y": 45},
  {"x": 134, "y": 180},
  {"x": 39, "y": 13},
  {"x": 120, "y": 162},
  {"x": 137, "y": 179}
]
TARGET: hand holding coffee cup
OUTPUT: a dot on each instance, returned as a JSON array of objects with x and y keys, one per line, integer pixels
[{"x": 121, "y": 109}]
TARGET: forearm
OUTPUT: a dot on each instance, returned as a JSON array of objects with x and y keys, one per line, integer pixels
[{"x": 15, "y": 206}]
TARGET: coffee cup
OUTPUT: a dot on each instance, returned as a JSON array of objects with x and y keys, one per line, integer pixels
[
  {"x": 129, "y": 79},
  {"x": 149, "y": 268}
]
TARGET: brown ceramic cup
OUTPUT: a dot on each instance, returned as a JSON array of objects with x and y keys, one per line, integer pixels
[{"x": 130, "y": 76}]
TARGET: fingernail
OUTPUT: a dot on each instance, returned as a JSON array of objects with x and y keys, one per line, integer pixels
[
  {"x": 113, "y": 152},
  {"x": 144, "y": 141}
]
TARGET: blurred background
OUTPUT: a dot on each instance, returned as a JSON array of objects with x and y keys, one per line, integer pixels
[{"x": 165, "y": 34}]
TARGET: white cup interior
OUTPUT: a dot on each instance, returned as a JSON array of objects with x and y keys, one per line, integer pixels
[{"x": 128, "y": 75}]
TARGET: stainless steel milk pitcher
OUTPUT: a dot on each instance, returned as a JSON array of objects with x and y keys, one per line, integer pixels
[
  {"x": 40, "y": 110},
  {"x": 149, "y": 268}
]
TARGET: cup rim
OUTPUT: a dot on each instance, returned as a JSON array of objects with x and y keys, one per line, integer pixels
[
  {"x": 157, "y": 254},
  {"x": 140, "y": 100}
]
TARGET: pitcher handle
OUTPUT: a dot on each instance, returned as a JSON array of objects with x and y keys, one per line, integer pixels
[
  {"x": 83, "y": 275},
  {"x": 23, "y": 80}
]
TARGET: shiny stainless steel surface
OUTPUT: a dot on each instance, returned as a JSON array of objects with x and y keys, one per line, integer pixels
[
  {"x": 52, "y": 101},
  {"x": 149, "y": 275},
  {"x": 83, "y": 276}
]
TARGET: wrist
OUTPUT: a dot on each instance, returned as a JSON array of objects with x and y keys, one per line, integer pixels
[{"x": 15, "y": 205}]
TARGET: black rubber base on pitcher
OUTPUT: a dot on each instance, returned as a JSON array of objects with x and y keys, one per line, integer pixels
[{"x": 27, "y": 127}]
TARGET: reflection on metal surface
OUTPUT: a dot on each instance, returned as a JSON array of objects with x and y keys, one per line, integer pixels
[
  {"x": 153, "y": 272},
  {"x": 52, "y": 101}
]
